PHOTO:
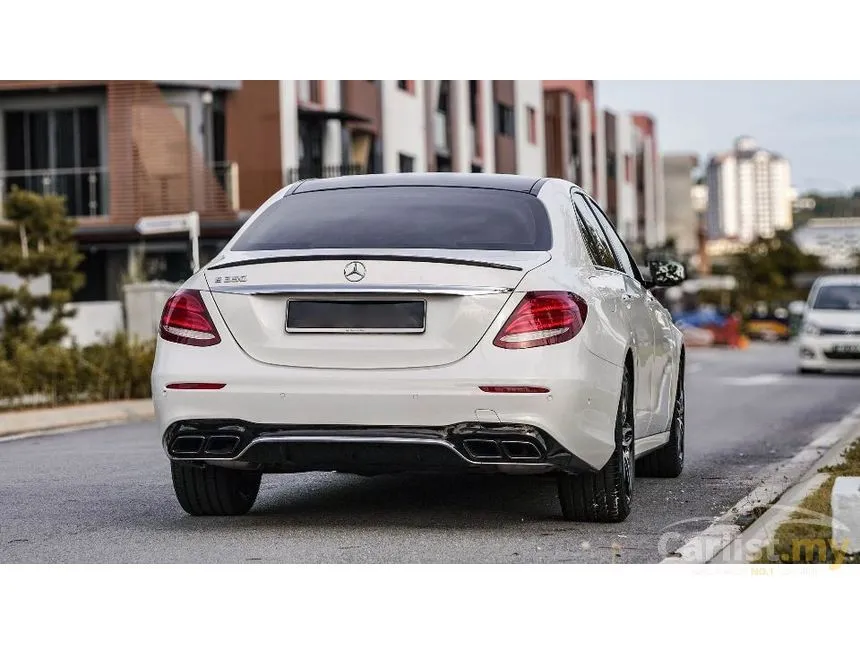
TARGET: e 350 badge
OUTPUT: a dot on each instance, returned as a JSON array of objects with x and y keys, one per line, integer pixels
[{"x": 231, "y": 279}]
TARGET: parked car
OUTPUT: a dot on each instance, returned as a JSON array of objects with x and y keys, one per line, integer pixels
[
  {"x": 422, "y": 322},
  {"x": 830, "y": 334}
]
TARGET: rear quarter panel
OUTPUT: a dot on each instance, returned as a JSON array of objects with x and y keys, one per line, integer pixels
[{"x": 571, "y": 269}]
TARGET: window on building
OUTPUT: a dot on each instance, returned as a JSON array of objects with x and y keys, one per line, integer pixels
[
  {"x": 316, "y": 92},
  {"x": 628, "y": 168},
  {"x": 406, "y": 86},
  {"x": 57, "y": 152},
  {"x": 532, "y": 118},
  {"x": 504, "y": 120},
  {"x": 406, "y": 163}
]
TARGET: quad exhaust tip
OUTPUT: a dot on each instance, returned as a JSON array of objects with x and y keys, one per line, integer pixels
[
  {"x": 197, "y": 445},
  {"x": 513, "y": 450}
]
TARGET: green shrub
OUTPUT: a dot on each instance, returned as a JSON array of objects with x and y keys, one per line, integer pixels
[{"x": 51, "y": 374}]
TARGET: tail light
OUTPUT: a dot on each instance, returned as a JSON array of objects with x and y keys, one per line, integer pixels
[
  {"x": 543, "y": 318},
  {"x": 186, "y": 321}
]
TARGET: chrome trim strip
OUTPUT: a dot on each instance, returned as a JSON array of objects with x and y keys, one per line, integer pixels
[
  {"x": 364, "y": 289},
  {"x": 341, "y": 439}
]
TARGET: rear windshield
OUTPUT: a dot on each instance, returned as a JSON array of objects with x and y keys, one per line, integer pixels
[
  {"x": 838, "y": 297},
  {"x": 401, "y": 218}
]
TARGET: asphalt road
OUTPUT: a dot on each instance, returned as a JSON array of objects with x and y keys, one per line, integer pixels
[{"x": 104, "y": 495}]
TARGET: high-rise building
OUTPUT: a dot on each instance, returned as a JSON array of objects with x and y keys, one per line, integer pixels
[{"x": 749, "y": 193}]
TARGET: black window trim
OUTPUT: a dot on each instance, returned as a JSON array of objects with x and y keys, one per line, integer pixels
[
  {"x": 597, "y": 265},
  {"x": 601, "y": 218}
]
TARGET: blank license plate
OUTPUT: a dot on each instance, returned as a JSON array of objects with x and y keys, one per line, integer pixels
[{"x": 356, "y": 316}]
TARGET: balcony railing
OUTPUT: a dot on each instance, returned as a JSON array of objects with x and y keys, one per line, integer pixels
[
  {"x": 85, "y": 189},
  {"x": 204, "y": 188},
  {"x": 320, "y": 171}
]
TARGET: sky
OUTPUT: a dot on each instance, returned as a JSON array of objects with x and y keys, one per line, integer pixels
[{"x": 814, "y": 124}]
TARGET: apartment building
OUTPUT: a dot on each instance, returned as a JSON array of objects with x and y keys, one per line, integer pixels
[
  {"x": 573, "y": 148},
  {"x": 749, "y": 192}
]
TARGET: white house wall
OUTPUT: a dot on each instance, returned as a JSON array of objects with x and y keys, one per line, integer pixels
[
  {"x": 403, "y": 126},
  {"x": 531, "y": 157},
  {"x": 488, "y": 121},
  {"x": 333, "y": 142},
  {"x": 459, "y": 113},
  {"x": 585, "y": 178},
  {"x": 601, "y": 179},
  {"x": 289, "y": 125},
  {"x": 625, "y": 145}
]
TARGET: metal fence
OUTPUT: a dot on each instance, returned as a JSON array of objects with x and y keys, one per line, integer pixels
[{"x": 85, "y": 189}]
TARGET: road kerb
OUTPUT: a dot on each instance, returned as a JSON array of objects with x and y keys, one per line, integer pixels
[
  {"x": 759, "y": 534},
  {"x": 28, "y": 423},
  {"x": 705, "y": 546}
]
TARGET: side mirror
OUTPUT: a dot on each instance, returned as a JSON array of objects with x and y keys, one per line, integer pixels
[{"x": 665, "y": 273}]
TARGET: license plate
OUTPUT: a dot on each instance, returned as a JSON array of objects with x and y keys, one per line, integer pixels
[
  {"x": 846, "y": 349},
  {"x": 356, "y": 316}
]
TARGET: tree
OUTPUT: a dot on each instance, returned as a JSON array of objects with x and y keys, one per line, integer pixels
[
  {"x": 37, "y": 239},
  {"x": 767, "y": 270}
]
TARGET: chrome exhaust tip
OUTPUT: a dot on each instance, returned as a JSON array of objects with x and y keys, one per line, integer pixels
[{"x": 520, "y": 450}]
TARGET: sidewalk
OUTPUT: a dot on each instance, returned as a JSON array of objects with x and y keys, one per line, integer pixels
[{"x": 29, "y": 421}]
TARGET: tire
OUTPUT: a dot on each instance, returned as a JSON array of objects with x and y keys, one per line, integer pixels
[
  {"x": 214, "y": 491},
  {"x": 668, "y": 460},
  {"x": 605, "y": 496}
]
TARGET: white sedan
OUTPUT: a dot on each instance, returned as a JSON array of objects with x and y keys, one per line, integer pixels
[
  {"x": 830, "y": 335},
  {"x": 422, "y": 322}
]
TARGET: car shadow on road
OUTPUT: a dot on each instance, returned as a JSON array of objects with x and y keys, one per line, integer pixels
[{"x": 457, "y": 501}]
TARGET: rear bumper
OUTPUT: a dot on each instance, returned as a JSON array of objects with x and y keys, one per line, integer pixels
[
  {"x": 578, "y": 412},
  {"x": 368, "y": 450}
]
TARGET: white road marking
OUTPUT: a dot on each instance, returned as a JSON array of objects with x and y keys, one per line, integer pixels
[{"x": 759, "y": 379}]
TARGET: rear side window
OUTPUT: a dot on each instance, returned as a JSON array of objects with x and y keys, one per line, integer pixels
[
  {"x": 595, "y": 238},
  {"x": 402, "y": 218}
]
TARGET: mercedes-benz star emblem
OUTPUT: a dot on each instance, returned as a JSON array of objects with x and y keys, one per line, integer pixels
[{"x": 354, "y": 271}]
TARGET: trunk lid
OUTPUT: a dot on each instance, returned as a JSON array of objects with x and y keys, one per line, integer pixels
[{"x": 364, "y": 311}]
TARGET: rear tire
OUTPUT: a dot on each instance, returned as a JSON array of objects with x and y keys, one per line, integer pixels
[
  {"x": 214, "y": 491},
  {"x": 605, "y": 496},
  {"x": 668, "y": 460}
]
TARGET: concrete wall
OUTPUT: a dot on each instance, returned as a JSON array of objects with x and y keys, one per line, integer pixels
[
  {"x": 403, "y": 117},
  {"x": 625, "y": 149},
  {"x": 488, "y": 123},
  {"x": 143, "y": 306},
  {"x": 333, "y": 141},
  {"x": 289, "y": 125},
  {"x": 94, "y": 322},
  {"x": 531, "y": 157}
]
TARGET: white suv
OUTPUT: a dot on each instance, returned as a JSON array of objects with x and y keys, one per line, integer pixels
[{"x": 830, "y": 336}]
